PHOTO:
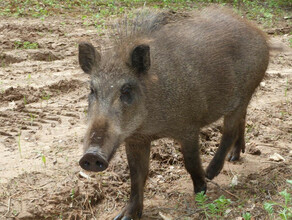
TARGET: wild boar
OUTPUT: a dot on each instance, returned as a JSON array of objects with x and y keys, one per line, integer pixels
[{"x": 169, "y": 77}]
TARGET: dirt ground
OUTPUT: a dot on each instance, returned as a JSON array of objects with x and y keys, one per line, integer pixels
[{"x": 43, "y": 119}]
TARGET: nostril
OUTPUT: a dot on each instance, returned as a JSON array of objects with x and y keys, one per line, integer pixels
[
  {"x": 86, "y": 164},
  {"x": 99, "y": 164}
]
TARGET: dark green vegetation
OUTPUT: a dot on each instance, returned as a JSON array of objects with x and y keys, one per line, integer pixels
[
  {"x": 267, "y": 12},
  {"x": 284, "y": 208},
  {"x": 218, "y": 209}
]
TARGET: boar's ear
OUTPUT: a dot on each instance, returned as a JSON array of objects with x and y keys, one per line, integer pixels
[
  {"x": 140, "y": 58},
  {"x": 88, "y": 57}
]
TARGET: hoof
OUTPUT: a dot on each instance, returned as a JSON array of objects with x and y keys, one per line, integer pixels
[
  {"x": 201, "y": 189},
  {"x": 211, "y": 173},
  {"x": 233, "y": 156},
  {"x": 124, "y": 216}
]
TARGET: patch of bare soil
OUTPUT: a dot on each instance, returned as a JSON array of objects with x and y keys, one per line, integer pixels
[{"x": 42, "y": 122}]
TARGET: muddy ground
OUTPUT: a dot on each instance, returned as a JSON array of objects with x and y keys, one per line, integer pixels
[{"x": 43, "y": 119}]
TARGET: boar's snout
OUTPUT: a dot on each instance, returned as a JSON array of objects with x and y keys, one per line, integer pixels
[{"x": 93, "y": 161}]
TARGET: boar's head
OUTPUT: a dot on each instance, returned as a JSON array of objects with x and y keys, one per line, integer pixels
[{"x": 116, "y": 103}]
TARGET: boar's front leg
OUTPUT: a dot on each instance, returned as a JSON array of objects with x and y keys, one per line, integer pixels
[
  {"x": 191, "y": 153},
  {"x": 138, "y": 152}
]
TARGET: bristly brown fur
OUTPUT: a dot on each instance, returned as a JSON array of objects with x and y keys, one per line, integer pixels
[
  {"x": 142, "y": 24},
  {"x": 137, "y": 29}
]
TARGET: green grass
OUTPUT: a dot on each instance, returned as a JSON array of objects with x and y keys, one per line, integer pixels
[
  {"x": 25, "y": 45},
  {"x": 284, "y": 208},
  {"x": 264, "y": 11},
  {"x": 218, "y": 209}
]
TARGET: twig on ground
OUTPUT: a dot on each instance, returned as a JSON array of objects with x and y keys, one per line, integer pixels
[
  {"x": 271, "y": 145},
  {"x": 41, "y": 186},
  {"x": 114, "y": 205},
  {"x": 9, "y": 203},
  {"x": 91, "y": 210},
  {"x": 224, "y": 190},
  {"x": 273, "y": 162}
]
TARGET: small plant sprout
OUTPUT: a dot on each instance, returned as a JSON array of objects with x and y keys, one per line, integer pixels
[
  {"x": 24, "y": 100},
  {"x": 15, "y": 212},
  {"x": 286, "y": 212},
  {"x": 1, "y": 88},
  {"x": 268, "y": 206},
  {"x": 46, "y": 97},
  {"x": 201, "y": 199},
  {"x": 222, "y": 204},
  {"x": 44, "y": 160},
  {"x": 85, "y": 112},
  {"x": 216, "y": 209},
  {"x": 29, "y": 79},
  {"x": 17, "y": 44},
  {"x": 25, "y": 45},
  {"x": 246, "y": 216},
  {"x": 18, "y": 143},
  {"x": 286, "y": 89},
  {"x": 72, "y": 194},
  {"x": 32, "y": 117}
]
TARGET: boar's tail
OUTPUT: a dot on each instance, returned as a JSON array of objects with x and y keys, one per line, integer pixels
[{"x": 275, "y": 47}]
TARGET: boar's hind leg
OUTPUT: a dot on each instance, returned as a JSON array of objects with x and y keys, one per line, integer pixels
[
  {"x": 230, "y": 135},
  {"x": 240, "y": 142},
  {"x": 191, "y": 153},
  {"x": 138, "y": 159}
]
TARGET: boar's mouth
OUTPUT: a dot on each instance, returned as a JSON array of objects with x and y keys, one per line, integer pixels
[{"x": 93, "y": 160}]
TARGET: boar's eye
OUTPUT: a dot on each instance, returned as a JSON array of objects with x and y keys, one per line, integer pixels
[
  {"x": 91, "y": 96},
  {"x": 126, "y": 94},
  {"x": 91, "y": 91}
]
